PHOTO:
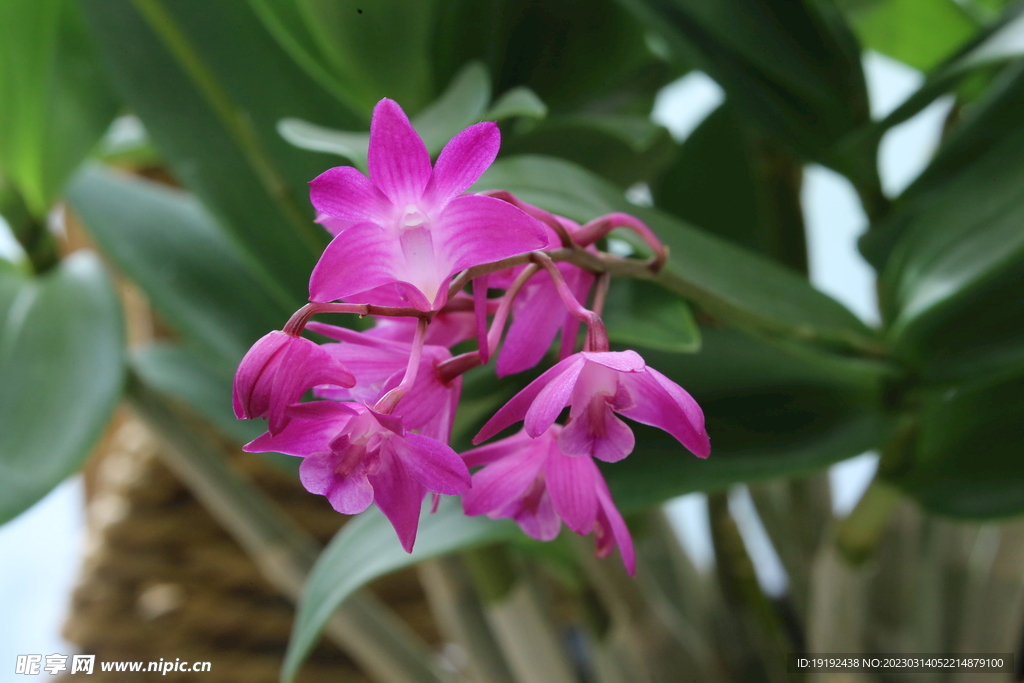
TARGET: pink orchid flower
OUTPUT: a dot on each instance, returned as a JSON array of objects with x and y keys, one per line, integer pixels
[
  {"x": 355, "y": 456},
  {"x": 378, "y": 366},
  {"x": 276, "y": 371},
  {"x": 534, "y": 326},
  {"x": 410, "y": 226},
  {"x": 597, "y": 385},
  {"x": 532, "y": 481}
]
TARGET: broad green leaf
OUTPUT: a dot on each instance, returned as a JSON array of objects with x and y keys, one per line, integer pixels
[
  {"x": 366, "y": 549},
  {"x": 575, "y": 54},
  {"x": 519, "y": 101},
  {"x": 171, "y": 247},
  {"x": 461, "y": 105},
  {"x": 727, "y": 281},
  {"x": 772, "y": 410},
  {"x": 921, "y": 33},
  {"x": 56, "y": 101},
  {"x": 639, "y": 313},
  {"x": 181, "y": 373},
  {"x": 967, "y": 462},
  {"x": 729, "y": 180},
  {"x": 61, "y": 370},
  {"x": 790, "y": 66},
  {"x": 210, "y": 86},
  {"x": 623, "y": 149},
  {"x": 178, "y": 372},
  {"x": 952, "y": 283}
]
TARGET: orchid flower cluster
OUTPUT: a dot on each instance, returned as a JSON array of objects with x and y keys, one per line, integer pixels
[{"x": 408, "y": 239}]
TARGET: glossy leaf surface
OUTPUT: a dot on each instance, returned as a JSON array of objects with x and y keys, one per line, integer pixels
[
  {"x": 172, "y": 248},
  {"x": 210, "y": 85},
  {"x": 728, "y": 281},
  {"x": 56, "y": 100},
  {"x": 61, "y": 370},
  {"x": 366, "y": 549}
]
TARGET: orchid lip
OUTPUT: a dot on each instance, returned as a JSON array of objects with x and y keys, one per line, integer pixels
[{"x": 412, "y": 218}]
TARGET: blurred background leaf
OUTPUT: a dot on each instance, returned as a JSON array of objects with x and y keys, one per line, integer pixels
[
  {"x": 56, "y": 101},
  {"x": 61, "y": 370}
]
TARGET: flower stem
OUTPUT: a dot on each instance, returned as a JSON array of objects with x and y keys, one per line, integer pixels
[
  {"x": 597, "y": 336},
  {"x": 600, "y": 227},
  {"x": 301, "y": 317}
]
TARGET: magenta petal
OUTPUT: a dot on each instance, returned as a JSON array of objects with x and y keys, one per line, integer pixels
[
  {"x": 434, "y": 464},
  {"x": 398, "y": 160},
  {"x": 249, "y": 397},
  {"x": 662, "y": 403},
  {"x": 503, "y": 482},
  {"x": 542, "y": 523},
  {"x": 517, "y": 408},
  {"x": 462, "y": 161},
  {"x": 609, "y": 520},
  {"x": 570, "y": 482},
  {"x": 611, "y": 440},
  {"x": 621, "y": 361},
  {"x": 348, "y": 495},
  {"x": 299, "y": 437},
  {"x": 533, "y": 327},
  {"x": 553, "y": 398},
  {"x": 303, "y": 365},
  {"x": 474, "y": 230},
  {"x": 345, "y": 193},
  {"x": 492, "y": 452},
  {"x": 361, "y": 258},
  {"x": 399, "y": 496}
]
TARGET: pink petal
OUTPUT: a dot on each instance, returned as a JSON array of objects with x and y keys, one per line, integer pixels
[
  {"x": 504, "y": 482},
  {"x": 433, "y": 463},
  {"x": 496, "y": 451},
  {"x": 397, "y": 293},
  {"x": 533, "y": 327},
  {"x": 363, "y": 257},
  {"x": 398, "y": 160},
  {"x": 662, "y": 403},
  {"x": 462, "y": 161},
  {"x": 348, "y": 495},
  {"x": 249, "y": 398},
  {"x": 304, "y": 365},
  {"x": 543, "y": 523},
  {"x": 399, "y": 496},
  {"x": 621, "y": 361},
  {"x": 333, "y": 225},
  {"x": 609, "y": 519},
  {"x": 480, "y": 312},
  {"x": 517, "y": 408},
  {"x": 602, "y": 436},
  {"x": 570, "y": 482},
  {"x": 345, "y": 193},
  {"x": 474, "y": 230},
  {"x": 552, "y": 399}
]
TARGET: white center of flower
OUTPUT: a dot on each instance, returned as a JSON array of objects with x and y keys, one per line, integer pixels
[{"x": 412, "y": 218}]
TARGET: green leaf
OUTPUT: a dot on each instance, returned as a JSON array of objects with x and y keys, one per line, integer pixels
[
  {"x": 575, "y": 54},
  {"x": 639, "y": 313},
  {"x": 953, "y": 282},
  {"x": 210, "y": 86},
  {"x": 727, "y": 281},
  {"x": 967, "y": 462},
  {"x": 790, "y": 66},
  {"x": 179, "y": 372},
  {"x": 772, "y": 410},
  {"x": 56, "y": 101},
  {"x": 167, "y": 243},
  {"x": 61, "y": 371},
  {"x": 366, "y": 549},
  {"x": 623, "y": 149},
  {"x": 921, "y": 33},
  {"x": 729, "y": 180},
  {"x": 519, "y": 101},
  {"x": 461, "y": 105}
]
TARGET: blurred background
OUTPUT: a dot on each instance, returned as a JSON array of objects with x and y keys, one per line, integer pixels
[{"x": 783, "y": 131}]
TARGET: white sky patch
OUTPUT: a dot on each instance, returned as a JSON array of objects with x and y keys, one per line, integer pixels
[{"x": 682, "y": 105}]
